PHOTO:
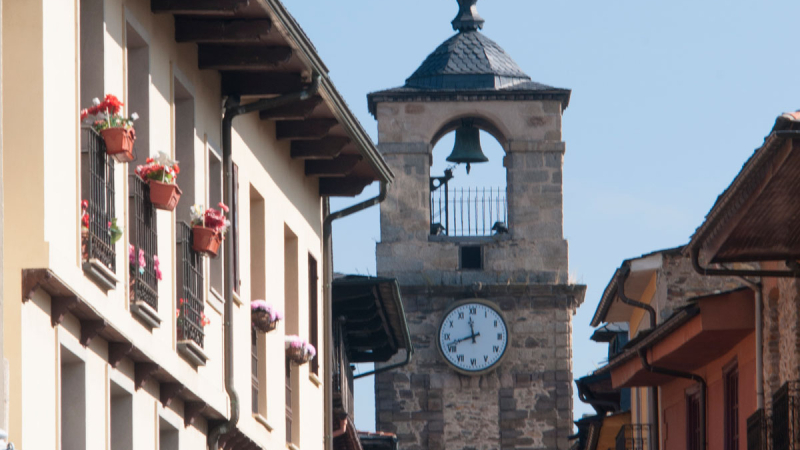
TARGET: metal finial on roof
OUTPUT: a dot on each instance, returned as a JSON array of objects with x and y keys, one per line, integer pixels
[{"x": 468, "y": 18}]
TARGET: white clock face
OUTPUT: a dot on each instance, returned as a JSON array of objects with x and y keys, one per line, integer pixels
[{"x": 473, "y": 337}]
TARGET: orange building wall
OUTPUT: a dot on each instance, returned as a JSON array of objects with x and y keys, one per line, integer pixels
[{"x": 673, "y": 404}]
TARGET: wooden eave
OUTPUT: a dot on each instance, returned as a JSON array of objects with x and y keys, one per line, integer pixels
[
  {"x": 374, "y": 325},
  {"x": 261, "y": 52}
]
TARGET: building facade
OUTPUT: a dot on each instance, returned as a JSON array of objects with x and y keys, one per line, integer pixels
[
  {"x": 501, "y": 276},
  {"x": 144, "y": 343}
]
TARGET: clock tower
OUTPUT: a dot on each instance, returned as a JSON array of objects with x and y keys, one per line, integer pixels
[{"x": 483, "y": 273}]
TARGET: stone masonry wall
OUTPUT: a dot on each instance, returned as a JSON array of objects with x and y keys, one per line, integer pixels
[{"x": 525, "y": 404}]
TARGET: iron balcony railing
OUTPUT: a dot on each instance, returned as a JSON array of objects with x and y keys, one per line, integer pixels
[
  {"x": 473, "y": 211},
  {"x": 785, "y": 419},
  {"x": 143, "y": 250},
  {"x": 190, "y": 288},
  {"x": 757, "y": 430},
  {"x": 97, "y": 185},
  {"x": 342, "y": 375},
  {"x": 634, "y": 437}
]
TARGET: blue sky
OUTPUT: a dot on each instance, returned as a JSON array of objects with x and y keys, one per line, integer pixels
[{"x": 668, "y": 101}]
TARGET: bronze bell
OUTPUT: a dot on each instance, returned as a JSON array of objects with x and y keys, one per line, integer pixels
[{"x": 468, "y": 145}]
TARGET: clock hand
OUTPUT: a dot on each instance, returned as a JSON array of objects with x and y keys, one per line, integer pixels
[
  {"x": 473, "y": 336},
  {"x": 472, "y": 329}
]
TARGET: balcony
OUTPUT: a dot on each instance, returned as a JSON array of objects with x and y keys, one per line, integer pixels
[
  {"x": 191, "y": 306},
  {"x": 98, "y": 252},
  {"x": 143, "y": 253},
  {"x": 634, "y": 437},
  {"x": 468, "y": 212},
  {"x": 758, "y": 430},
  {"x": 785, "y": 421},
  {"x": 342, "y": 376}
]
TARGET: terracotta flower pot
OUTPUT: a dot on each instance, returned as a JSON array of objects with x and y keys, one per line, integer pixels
[
  {"x": 164, "y": 195},
  {"x": 119, "y": 143},
  {"x": 206, "y": 241},
  {"x": 262, "y": 321},
  {"x": 298, "y": 355}
]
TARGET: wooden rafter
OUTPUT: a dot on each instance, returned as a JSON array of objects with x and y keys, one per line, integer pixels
[
  {"x": 198, "y": 7},
  {"x": 117, "y": 351},
  {"x": 339, "y": 167},
  {"x": 260, "y": 84},
  {"x": 304, "y": 129},
  {"x": 343, "y": 187},
  {"x": 235, "y": 57},
  {"x": 201, "y": 30},
  {"x": 191, "y": 411},
  {"x": 90, "y": 329},
  {"x": 59, "y": 307},
  {"x": 326, "y": 148},
  {"x": 168, "y": 392},
  {"x": 292, "y": 111},
  {"x": 142, "y": 372}
]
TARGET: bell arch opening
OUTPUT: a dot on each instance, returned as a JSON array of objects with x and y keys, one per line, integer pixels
[{"x": 474, "y": 204}]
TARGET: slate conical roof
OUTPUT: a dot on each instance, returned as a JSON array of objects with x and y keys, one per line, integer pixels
[{"x": 468, "y": 60}]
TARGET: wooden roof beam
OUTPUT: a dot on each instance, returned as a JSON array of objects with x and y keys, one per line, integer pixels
[
  {"x": 338, "y": 167},
  {"x": 326, "y": 148},
  {"x": 293, "y": 111},
  {"x": 235, "y": 57},
  {"x": 202, "y": 30},
  {"x": 343, "y": 187},
  {"x": 304, "y": 129},
  {"x": 260, "y": 84},
  {"x": 198, "y": 7}
]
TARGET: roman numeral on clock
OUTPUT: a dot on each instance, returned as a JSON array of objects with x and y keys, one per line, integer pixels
[
  {"x": 473, "y": 361},
  {"x": 451, "y": 348},
  {"x": 460, "y": 358},
  {"x": 496, "y": 348}
]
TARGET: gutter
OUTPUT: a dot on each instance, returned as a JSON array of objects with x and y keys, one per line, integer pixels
[
  {"x": 688, "y": 376},
  {"x": 232, "y": 110},
  {"x": 756, "y": 288},
  {"x": 625, "y": 272},
  {"x": 793, "y": 272},
  {"x": 327, "y": 277}
]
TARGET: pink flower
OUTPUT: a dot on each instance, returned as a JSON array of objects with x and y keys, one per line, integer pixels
[
  {"x": 142, "y": 261},
  {"x": 223, "y": 207},
  {"x": 157, "y": 267}
]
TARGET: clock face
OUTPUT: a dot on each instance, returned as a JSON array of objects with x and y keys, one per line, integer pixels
[{"x": 473, "y": 337}]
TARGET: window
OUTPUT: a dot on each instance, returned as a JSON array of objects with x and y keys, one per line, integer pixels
[
  {"x": 92, "y": 50},
  {"x": 471, "y": 258},
  {"x": 168, "y": 437},
  {"x": 254, "y": 369},
  {"x": 183, "y": 111},
  {"x": 731, "y": 391},
  {"x": 216, "y": 266},
  {"x": 258, "y": 290},
  {"x": 121, "y": 418},
  {"x": 288, "y": 401},
  {"x": 73, "y": 401},
  {"x": 138, "y": 99},
  {"x": 693, "y": 421},
  {"x": 313, "y": 311}
]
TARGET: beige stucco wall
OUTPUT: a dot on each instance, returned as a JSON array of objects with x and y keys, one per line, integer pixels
[{"x": 42, "y": 182}]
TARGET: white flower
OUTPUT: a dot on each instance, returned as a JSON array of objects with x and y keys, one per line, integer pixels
[
  {"x": 96, "y": 101},
  {"x": 134, "y": 116}
]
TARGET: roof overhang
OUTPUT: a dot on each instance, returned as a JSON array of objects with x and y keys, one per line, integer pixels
[
  {"x": 692, "y": 338},
  {"x": 757, "y": 218},
  {"x": 260, "y": 52},
  {"x": 642, "y": 269},
  {"x": 597, "y": 391},
  {"x": 373, "y": 320}
]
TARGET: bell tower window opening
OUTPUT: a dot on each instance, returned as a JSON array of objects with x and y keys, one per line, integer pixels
[{"x": 474, "y": 203}]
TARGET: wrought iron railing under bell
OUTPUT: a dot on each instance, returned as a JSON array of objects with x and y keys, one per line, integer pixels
[
  {"x": 143, "y": 249},
  {"x": 97, "y": 185},
  {"x": 190, "y": 288},
  {"x": 463, "y": 212},
  {"x": 785, "y": 420},
  {"x": 634, "y": 437}
]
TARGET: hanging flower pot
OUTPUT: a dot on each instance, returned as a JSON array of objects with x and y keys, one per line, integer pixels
[
  {"x": 298, "y": 350},
  {"x": 117, "y": 130},
  {"x": 164, "y": 195},
  {"x": 264, "y": 316},
  {"x": 119, "y": 143},
  {"x": 206, "y": 241}
]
